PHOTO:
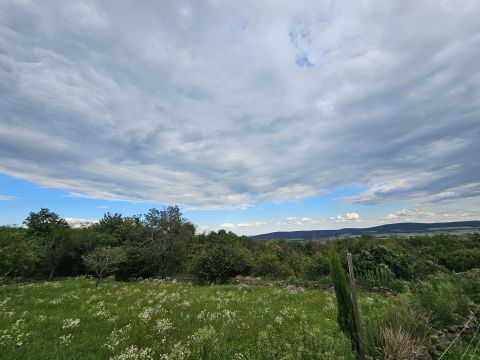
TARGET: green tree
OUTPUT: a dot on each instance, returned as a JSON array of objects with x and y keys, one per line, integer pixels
[
  {"x": 122, "y": 228},
  {"x": 44, "y": 223},
  {"x": 168, "y": 234},
  {"x": 54, "y": 234},
  {"x": 104, "y": 260},
  {"x": 345, "y": 316},
  {"x": 19, "y": 254}
]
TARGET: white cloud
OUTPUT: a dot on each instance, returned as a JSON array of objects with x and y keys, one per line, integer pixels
[
  {"x": 434, "y": 214},
  {"x": 227, "y": 226},
  {"x": 242, "y": 225},
  {"x": 7, "y": 198},
  {"x": 391, "y": 216},
  {"x": 301, "y": 221},
  {"x": 219, "y": 106},
  {"x": 353, "y": 216},
  {"x": 79, "y": 222}
]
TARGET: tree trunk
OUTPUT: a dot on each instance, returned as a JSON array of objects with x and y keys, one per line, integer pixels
[
  {"x": 52, "y": 271},
  {"x": 4, "y": 276},
  {"x": 98, "y": 280}
]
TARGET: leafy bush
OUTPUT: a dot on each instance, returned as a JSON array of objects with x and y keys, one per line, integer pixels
[
  {"x": 469, "y": 281},
  {"x": 375, "y": 256},
  {"x": 443, "y": 297},
  {"x": 462, "y": 259},
  {"x": 422, "y": 268},
  {"x": 218, "y": 263},
  {"x": 137, "y": 264},
  {"x": 269, "y": 265},
  {"x": 316, "y": 266},
  {"x": 377, "y": 277}
]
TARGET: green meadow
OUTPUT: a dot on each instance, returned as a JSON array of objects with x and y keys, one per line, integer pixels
[{"x": 71, "y": 319}]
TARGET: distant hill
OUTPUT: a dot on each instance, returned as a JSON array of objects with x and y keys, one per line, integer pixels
[{"x": 388, "y": 229}]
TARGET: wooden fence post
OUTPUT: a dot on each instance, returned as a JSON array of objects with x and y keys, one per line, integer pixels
[{"x": 355, "y": 305}]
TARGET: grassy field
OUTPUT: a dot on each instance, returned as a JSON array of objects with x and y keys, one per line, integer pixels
[{"x": 71, "y": 319}]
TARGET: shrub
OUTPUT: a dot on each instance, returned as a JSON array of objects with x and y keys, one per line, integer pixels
[
  {"x": 218, "y": 263},
  {"x": 269, "y": 265},
  {"x": 443, "y": 297},
  {"x": 470, "y": 283},
  {"x": 403, "y": 313},
  {"x": 137, "y": 264},
  {"x": 422, "y": 268},
  {"x": 462, "y": 259},
  {"x": 376, "y": 277},
  {"x": 316, "y": 266},
  {"x": 374, "y": 256},
  {"x": 345, "y": 316}
]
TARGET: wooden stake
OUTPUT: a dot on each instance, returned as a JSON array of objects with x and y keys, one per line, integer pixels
[{"x": 355, "y": 305}]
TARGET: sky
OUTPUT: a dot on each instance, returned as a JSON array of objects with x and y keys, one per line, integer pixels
[{"x": 252, "y": 116}]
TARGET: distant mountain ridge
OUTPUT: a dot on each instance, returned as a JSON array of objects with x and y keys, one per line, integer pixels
[{"x": 387, "y": 229}]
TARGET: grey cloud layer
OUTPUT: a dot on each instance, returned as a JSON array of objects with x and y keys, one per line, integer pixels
[{"x": 217, "y": 106}]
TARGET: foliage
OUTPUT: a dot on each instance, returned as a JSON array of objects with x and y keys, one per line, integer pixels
[
  {"x": 443, "y": 297},
  {"x": 462, "y": 259},
  {"x": 421, "y": 268},
  {"x": 53, "y": 231},
  {"x": 44, "y": 223},
  {"x": 345, "y": 316},
  {"x": 269, "y": 265},
  {"x": 316, "y": 266},
  {"x": 162, "y": 243},
  {"x": 218, "y": 262},
  {"x": 19, "y": 256},
  {"x": 378, "y": 256},
  {"x": 104, "y": 260},
  {"x": 469, "y": 282}
]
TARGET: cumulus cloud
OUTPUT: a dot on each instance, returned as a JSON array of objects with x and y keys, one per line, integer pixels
[
  {"x": 242, "y": 225},
  {"x": 353, "y": 216},
  {"x": 216, "y": 105},
  {"x": 79, "y": 222}
]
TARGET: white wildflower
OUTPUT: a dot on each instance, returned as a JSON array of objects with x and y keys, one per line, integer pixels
[
  {"x": 134, "y": 353},
  {"x": 163, "y": 325},
  {"x": 66, "y": 339},
  {"x": 70, "y": 323}
]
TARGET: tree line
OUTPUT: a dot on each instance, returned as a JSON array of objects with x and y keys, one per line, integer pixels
[{"x": 163, "y": 243}]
